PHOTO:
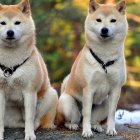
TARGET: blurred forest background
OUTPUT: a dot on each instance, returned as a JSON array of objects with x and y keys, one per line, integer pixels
[{"x": 60, "y": 36}]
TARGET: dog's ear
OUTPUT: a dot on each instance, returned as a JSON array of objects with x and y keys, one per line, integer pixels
[
  {"x": 24, "y": 6},
  {"x": 121, "y": 6},
  {"x": 93, "y": 5}
]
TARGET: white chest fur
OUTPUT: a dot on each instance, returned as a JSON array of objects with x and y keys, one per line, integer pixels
[
  {"x": 14, "y": 85},
  {"x": 100, "y": 82},
  {"x": 102, "y": 87}
]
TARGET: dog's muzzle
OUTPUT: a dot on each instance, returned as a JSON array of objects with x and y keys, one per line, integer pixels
[
  {"x": 10, "y": 35},
  {"x": 104, "y": 33}
]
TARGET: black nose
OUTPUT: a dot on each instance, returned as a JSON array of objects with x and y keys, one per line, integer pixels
[
  {"x": 104, "y": 31},
  {"x": 10, "y": 33}
]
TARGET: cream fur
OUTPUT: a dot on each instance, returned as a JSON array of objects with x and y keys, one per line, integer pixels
[
  {"x": 26, "y": 98},
  {"x": 88, "y": 83}
]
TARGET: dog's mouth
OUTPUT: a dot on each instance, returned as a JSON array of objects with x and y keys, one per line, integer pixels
[
  {"x": 9, "y": 40},
  {"x": 105, "y": 36}
]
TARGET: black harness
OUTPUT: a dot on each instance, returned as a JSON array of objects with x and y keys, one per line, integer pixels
[
  {"x": 101, "y": 62},
  {"x": 8, "y": 71}
]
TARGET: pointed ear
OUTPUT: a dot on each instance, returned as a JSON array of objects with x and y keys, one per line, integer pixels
[
  {"x": 121, "y": 6},
  {"x": 93, "y": 5},
  {"x": 24, "y": 6}
]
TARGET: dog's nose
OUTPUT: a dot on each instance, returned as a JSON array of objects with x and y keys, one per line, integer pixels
[
  {"x": 10, "y": 33},
  {"x": 104, "y": 31}
]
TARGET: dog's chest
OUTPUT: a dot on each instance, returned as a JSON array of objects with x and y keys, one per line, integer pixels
[
  {"x": 99, "y": 82},
  {"x": 12, "y": 87},
  {"x": 102, "y": 85}
]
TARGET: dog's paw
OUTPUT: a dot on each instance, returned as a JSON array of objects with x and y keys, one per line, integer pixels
[
  {"x": 71, "y": 126},
  {"x": 87, "y": 133},
  {"x": 50, "y": 126},
  {"x": 97, "y": 128},
  {"x": 30, "y": 136},
  {"x": 111, "y": 132}
]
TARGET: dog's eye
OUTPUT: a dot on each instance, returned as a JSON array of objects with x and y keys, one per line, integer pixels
[
  {"x": 17, "y": 22},
  {"x": 3, "y": 23},
  {"x": 113, "y": 20},
  {"x": 98, "y": 20}
]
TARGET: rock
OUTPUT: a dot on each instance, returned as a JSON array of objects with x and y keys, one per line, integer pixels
[{"x": 124, "y": 133}]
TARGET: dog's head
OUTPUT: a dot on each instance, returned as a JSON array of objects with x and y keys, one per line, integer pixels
[
  {"x": 106, "y": 22},
  {"x": 16, "y": 24}
]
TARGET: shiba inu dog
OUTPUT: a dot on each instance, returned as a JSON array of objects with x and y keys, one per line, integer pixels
[
  {"x": 98, "y": 73},
  {"x": 26, "y": 94}
]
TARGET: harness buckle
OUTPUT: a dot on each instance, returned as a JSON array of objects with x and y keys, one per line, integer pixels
[{"x": 8, "y": 72}]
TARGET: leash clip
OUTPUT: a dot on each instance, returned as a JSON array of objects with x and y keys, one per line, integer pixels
[
  {"x": 8, "y": 72},
  {"x": 104, "y": 67}
]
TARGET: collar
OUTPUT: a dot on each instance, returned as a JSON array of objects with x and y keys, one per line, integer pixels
[
  {"x": 8, "y": 71},
  {"x": 102, "y": 63}
]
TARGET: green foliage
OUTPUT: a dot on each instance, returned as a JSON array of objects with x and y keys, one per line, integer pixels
[{"x": 134, "y": 8}]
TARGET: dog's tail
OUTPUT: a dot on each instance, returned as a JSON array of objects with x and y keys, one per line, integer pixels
[
  {"x": 63, "y": 85},
  {"x": 60, "y": 119}
]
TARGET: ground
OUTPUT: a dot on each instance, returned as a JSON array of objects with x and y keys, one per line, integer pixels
[{"x": 124, "y": 133}]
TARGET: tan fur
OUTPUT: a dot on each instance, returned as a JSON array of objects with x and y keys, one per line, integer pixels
[
  {"x": 87, "y": 82},
  {"x": 29, "y": 86},
  {"x": 47, "y": 121}
]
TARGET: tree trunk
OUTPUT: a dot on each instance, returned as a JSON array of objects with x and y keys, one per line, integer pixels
[{"x": 76, "y": 42}]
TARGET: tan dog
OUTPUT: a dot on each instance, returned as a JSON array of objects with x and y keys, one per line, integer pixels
[
  {"x": 99, "y": 72},
  {"x": 25, "y": 90}
]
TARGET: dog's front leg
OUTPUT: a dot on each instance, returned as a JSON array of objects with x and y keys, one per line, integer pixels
[
  {"x": 113, "y": 101},
  {"x": 2, "y": 112},
  {"x": 87, "y": 107},
  {"x": 30, "y": 100}
]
